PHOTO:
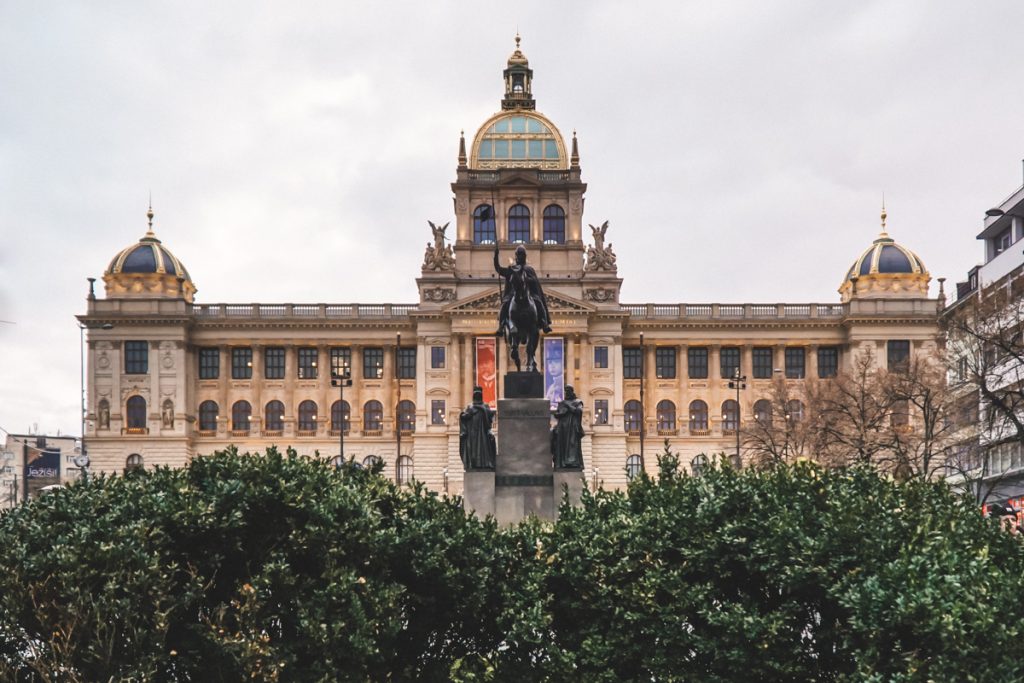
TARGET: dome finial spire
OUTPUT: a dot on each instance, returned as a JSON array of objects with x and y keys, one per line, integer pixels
[
  {"x": 149, "y": 217},
  {"x": 517, "y": 38},
  {"x": 884, "y": 216}
]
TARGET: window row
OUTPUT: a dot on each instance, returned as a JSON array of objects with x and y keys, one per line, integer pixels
[
  {"x": 518, "y": 224},
  {"x": 273, "y": 416},
  {"x": 306, "y": 362},
  {"x": 697, "y": 417},
  {"x": 697, "y": 361}
]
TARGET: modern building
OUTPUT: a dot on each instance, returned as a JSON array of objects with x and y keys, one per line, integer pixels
[
  {"x": 984, "y": 340},
  {"x": 174, "y": 377},
  {"x": 31, "y": 462}
]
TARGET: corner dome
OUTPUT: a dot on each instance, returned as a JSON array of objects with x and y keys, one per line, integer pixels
[
  {"x": 148, "y": 269},
  {"x": 518, "y": 139},
  {"x": 885, "y": 269}
]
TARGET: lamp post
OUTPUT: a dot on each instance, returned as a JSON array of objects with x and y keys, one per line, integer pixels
[
  {"x": 738, "y": 382},
  {"x": 643, "y": 412},
  {"x": 341, "y": 378},
  {"x": 83, "y": 458}
]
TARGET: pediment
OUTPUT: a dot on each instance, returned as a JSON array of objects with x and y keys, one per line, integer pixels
[
  {"x": 520, "y": 178},
  {"x": 491, "y": 302}
]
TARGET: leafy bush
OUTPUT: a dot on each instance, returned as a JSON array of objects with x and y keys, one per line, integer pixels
[{"x": 276, "y": 567}]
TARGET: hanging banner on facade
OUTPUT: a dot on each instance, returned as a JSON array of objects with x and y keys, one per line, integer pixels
[
  {"x": 554, "y": 370},
  {"x": 42, "y": 468},
  {"x": 487, "y": 369}
]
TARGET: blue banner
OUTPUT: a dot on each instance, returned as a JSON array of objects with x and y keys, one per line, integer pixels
[{"x": 554, "y": 370}]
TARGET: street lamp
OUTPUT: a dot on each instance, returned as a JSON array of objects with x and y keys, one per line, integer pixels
[
  {"x": 341, "y": 378},
  {"x": 738, "y": 382},
  {"x": 82, "y": 460}
]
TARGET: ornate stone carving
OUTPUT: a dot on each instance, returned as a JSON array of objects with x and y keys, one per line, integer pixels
[
  {"x": 167, "y": 414},
  {"x": 438, "y": 256},
  {"x": 599, "y": 295},
  {"x": 103, "y": 360},
  {"x": 600, "y": 257},
  {"x": 439, "y": 294}
]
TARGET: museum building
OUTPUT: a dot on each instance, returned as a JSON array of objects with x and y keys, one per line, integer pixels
[{"x": 169, "y": 377}]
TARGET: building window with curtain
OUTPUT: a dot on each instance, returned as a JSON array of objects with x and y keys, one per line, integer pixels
[
  {"x": 518, "y": 224},
  {"x": 729, "y": 360},
  {"x": 697, "y": 361},
  {"x": 407, "y": 416},
  {"x": 554, "y": 225},
  {"x": 209, "y": 363},
  {"x": 633, "y": 419},
  {"x": 406, "y": 363},
  {"x": 763, "y": 362},
  {"x": 632, "y": 362},
  {"x": 136, "y": 358},
  {"x": 273, "y": 362},
  {"x": 241, "y": 362},
  {"x": 828, "y": 361},
  {"x": 698, "y": 416},
  {"x": 273, "y": 417},
  {"x": 795, "y": 362},
  {"x": 601, "y": 411},
  {"x": 483, "y": 225},
  {"x": 665, "y": 362}
]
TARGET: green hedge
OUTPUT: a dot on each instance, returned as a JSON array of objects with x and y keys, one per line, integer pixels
[{"x": 277, "y": 567}]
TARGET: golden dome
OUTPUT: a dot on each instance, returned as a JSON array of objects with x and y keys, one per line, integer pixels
[
  {"x": 885, "y": 269},
  {"x": 518, "y": 139},
  {"x": 148, "y": 269}
]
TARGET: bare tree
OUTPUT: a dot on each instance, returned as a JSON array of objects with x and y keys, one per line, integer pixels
[
  {"x": 783, "y": 429},
  {"x": 854, "y": 414}
]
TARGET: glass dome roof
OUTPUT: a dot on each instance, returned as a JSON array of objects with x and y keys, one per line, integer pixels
[{"x": 518, "y": 139}]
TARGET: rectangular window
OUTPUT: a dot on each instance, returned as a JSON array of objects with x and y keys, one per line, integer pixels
[
  {"x": 273, "y": 362},
  {"x": 209, "y": 363},
  {"x": 601, "y": 411},
  {"x": 665, "y": 362},
  {"x": 373, "y": 363},
  {"x": 600, "y": 356},
  {"x": 795, "y": 362},
  {"x": 632, "y": 363},
  {"x": 828, "y": 361},
  {"x": 697, "y": 362},
  {"x": 763, "y": 364},
  {"x": 437, "y": 409},
  {"x": 341, "y": 362},
  {"x": 307, "y": 362},
  {"x": 898, "y": 355},
  {"x": 437, "y": 358},
  {"x": 729, "y": 361},
  {"x": 406, "y": 363},
  {"x": 241, "y": 363},
  {"x": 136, "y": 357}
]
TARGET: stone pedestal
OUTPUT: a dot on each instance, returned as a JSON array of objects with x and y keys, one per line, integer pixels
[
  {"x": 571, "y": 479},
  {"x": 478, "y": 492},
  {"x": 524, "y": 479},
  {"x": 524, "y": 385}
]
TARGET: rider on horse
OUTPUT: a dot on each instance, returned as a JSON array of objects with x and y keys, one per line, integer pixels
[{"x": 533, "y": 285}]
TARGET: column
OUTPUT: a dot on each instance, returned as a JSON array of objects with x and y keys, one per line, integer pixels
[
  {"x": 224, "y": 408},
  {"x": 388, "y": 382},
  {"x": 714, "y": 362},
  {"x": 812, "y": 360},
  {"x": 290, "y": 373},
  {"x": 323, "y": 380},
  {"x": 453, "y": 358},
  {"x": 468, "y": 377},
  {"x": 354, "y": 395},
  {"x": 650, "y": 391},
  {"x": 256, "y": 384}
]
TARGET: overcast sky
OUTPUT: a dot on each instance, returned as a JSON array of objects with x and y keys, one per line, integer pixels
[{"x": 295, "y": 151}]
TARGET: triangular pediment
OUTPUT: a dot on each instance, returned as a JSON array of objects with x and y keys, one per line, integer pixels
[
  {"x": 491, "y": 301},
  {"x": 520, "y": 179}
]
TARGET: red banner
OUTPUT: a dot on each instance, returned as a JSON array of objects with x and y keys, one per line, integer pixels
[{"x": 487, "y": 369}]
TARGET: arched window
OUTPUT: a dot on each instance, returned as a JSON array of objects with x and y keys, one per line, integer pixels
[
  {"x": 241, "y": 413},
  {"x": 554, "y": 225},
  {"x": 899, "y": 416},
  {"x": 307, "y": 416},
  {"x": 136, "y": 406},
  {"x": 794, "y": 411},
  {"x": 483, "y": 225},
  {"x": 763, "y": 412},
  {"x": 730, "y": 415},
  {"x": 518, "y": 224},
  {"x": 273, "y": 419},
  {"x": 371, "y": 461},
  {"x": 632, "y": 415},
  {"x": 337, "y": 461},
  {"x": 699, "y": 464},
  {"x": 341, "y": 416},
  {"x": 133, "y": 462},
  {"x": 633, "y": 466},
  {"x": 666, "y": 416},
  {"x": 208, "y": 411},
  {"x": 373, "y": 416},
  {"x": 698, "y": 415},
  {"x": 403, "y": 470},
  {"x": 407, "y": 416}
]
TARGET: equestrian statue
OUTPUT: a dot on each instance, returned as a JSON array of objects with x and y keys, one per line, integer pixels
[{"x": 524, "y": 309}]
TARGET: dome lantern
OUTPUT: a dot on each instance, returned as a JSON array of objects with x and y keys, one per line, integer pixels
[{"x": 518, "y": 82}]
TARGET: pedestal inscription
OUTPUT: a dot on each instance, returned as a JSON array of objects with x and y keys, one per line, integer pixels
[{"x": 524, "y": 479}]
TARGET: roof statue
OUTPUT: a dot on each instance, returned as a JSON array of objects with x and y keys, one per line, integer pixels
[
  {"x": 600, "y": 257},
  {"x": 438, "y": 256}
]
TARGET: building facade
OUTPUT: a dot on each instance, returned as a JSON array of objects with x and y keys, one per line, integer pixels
[{"x": 170, "y": 377}]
